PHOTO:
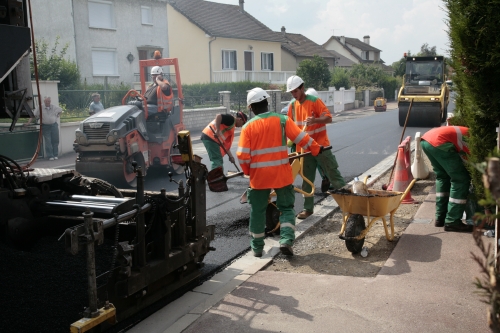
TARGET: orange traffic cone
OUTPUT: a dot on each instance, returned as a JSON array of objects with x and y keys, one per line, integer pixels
[{"x": 402, "y": 177}]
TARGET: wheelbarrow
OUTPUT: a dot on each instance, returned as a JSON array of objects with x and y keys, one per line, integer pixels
[{"x": 375, "y": 206}]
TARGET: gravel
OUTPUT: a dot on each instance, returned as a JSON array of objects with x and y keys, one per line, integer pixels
[{"x": 320, "y": 251}]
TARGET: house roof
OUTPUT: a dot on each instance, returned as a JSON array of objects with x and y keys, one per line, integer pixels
[
  {"x": 360, "y": 45},
  {"x": 300, "y": 45},
  {"x": 357, "y": 43},
  {"x": 226, "y": 21}
]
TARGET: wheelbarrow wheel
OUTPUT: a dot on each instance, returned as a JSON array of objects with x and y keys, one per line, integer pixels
[
  {"x": 272, "y": 218},
  {"x": 354, "y": 226}
]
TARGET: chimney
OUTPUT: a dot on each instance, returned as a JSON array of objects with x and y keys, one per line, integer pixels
[
  {"x": 283, "y": 31},
  {"x": 366, "y": 39},
  {"x": 242, "y": 6},
  {"x": 342, "y": 40}
]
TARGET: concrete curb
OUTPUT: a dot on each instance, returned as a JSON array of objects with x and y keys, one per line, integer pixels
[{"x": 180, "y": 314}]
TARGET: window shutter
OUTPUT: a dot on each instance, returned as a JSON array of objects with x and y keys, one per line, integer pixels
[
  {"x": 233, "y": 54},
  {"x": 271, "y": 61},
  {"x": 101, "y": 15},
  {"x": 104, "y": 63}
]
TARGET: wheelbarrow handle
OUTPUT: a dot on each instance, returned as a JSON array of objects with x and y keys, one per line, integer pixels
[{"x": 291, "y": 158}]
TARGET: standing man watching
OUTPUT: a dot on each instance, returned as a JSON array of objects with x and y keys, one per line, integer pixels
[
  {"x": 96, "y": 105},
  {"x": 223, "y": 125},
  {"x": 263, "y": 155},
  {"x": 50, "y": 127},
  {"x": 446, "y": 149},
  {"x": 311, "y": 112}
]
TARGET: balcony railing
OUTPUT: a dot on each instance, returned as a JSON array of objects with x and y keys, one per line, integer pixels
[{"x": 254, "y": 76}]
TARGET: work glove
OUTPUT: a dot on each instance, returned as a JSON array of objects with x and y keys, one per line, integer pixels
[
  {"x": 289, "y": 143},
  {"x": 321, "y": 148},
  {"x": 231, "y": 159}
]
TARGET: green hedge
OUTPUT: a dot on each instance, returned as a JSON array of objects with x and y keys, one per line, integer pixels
[{"x": 475, "y": 56}]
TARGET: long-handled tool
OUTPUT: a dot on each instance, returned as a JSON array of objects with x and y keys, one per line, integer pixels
[
  {"x": 222, "y": 146},
  {"x": 217, "y": 181},
  {"x": 385, "y": 186}
]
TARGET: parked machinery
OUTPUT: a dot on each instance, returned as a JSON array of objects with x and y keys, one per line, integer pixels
[
  {"x": 424, "y": 88},
  {"x": 380, "y": 104},
  {"x": 154, "y": 242},
  {"x": 110, "y": 140},
  {"x": 159, "y": 239}
]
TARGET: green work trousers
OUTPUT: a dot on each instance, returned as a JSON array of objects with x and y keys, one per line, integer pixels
[
  {"x": 213, "y": 150},
  {"x": 258, "y": 200},
  {"x": 452, "y": 182},
  {"x": 321, "y": 172},
  {"x": 328, "y": 163}
]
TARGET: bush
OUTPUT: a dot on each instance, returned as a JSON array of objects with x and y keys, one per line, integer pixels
[
  {"x": 475, "y": 49},
  {"x": 340, "y": 78},
  {"x": 315, "y": 73},
  {"x": 53, "y": 66}
]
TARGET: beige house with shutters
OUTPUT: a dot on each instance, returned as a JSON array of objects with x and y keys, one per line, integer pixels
[{"x": 222, "y": 43}]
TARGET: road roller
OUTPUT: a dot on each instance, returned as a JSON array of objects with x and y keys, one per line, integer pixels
[
  {"x": 109, "y": 141},
  {"x": 424, "y": 88}
]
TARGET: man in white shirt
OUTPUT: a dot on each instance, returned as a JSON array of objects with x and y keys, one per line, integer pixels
[{"x": 49, "y": 127}]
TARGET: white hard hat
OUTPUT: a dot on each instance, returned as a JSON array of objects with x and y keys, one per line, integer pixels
[
  {"x": 156, "y": 70},
  {"x": 312, "y": 91},
  {"x": 256, "y": 95},
  {"x": 293, "y": 82}
]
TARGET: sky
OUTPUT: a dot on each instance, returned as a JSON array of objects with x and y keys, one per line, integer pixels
[{"x": 394, "y": 26}]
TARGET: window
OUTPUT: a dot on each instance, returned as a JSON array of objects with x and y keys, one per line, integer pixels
[
  {"x": 101, "y": 15},
  {"x": 146, "y": 15},
  {"x": 267, "y": 61},
  {"x": 229, "y": 60},
  {"x": 104, "y": 62}
]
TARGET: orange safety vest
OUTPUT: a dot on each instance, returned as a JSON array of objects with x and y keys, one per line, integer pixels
[
  {"x": 263, "y": 153},
  {"x": 311, "y": 106},
  {"x": 164, "y": 102},
  {"x": 454, "y": 134},
  {"x": 226, "y": 136}
]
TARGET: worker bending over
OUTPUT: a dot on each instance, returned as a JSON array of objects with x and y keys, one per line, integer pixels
[
  {"x": 223, "y": 125},
  {"x": 263, "y": 155},
  {"x": 446, "y": 149}
]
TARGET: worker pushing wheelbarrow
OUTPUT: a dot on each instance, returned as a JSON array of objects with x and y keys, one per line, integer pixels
[{"x": 374, "y": 204}]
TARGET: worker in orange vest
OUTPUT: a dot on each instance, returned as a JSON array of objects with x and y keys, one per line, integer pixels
[
  {"x": 311, "y": 112},
  {"x": 263, "y": 155},
  {"x": 223, "y": 125},
  {"x": 446, "y": 149}
]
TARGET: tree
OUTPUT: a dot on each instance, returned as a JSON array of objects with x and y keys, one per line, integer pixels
[
  {"x": 53, "y": 66},
  {"x": 315, "y": 73},
  {"x": 340, "y": 78},
  {"x": 425, "y": 51},
  {"x": 399, "y": 67},
  {"x": 366, "y": 75}
]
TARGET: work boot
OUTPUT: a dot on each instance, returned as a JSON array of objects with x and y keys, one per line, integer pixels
[
  {"x": 286, "y": 250},
  {"x": 304, "y": 214},
  {"x": 459, "y": 227},
  {"x": 257, "y": 254},
  {"x": 439, "y": 223},
  {"x": 325, "y": 185}
]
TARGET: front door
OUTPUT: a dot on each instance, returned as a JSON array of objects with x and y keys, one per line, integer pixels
[
  {"x": 143, "y": 55},
  {"x": 248, "y": 64},
  {"x": 248, "y": 61}
]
